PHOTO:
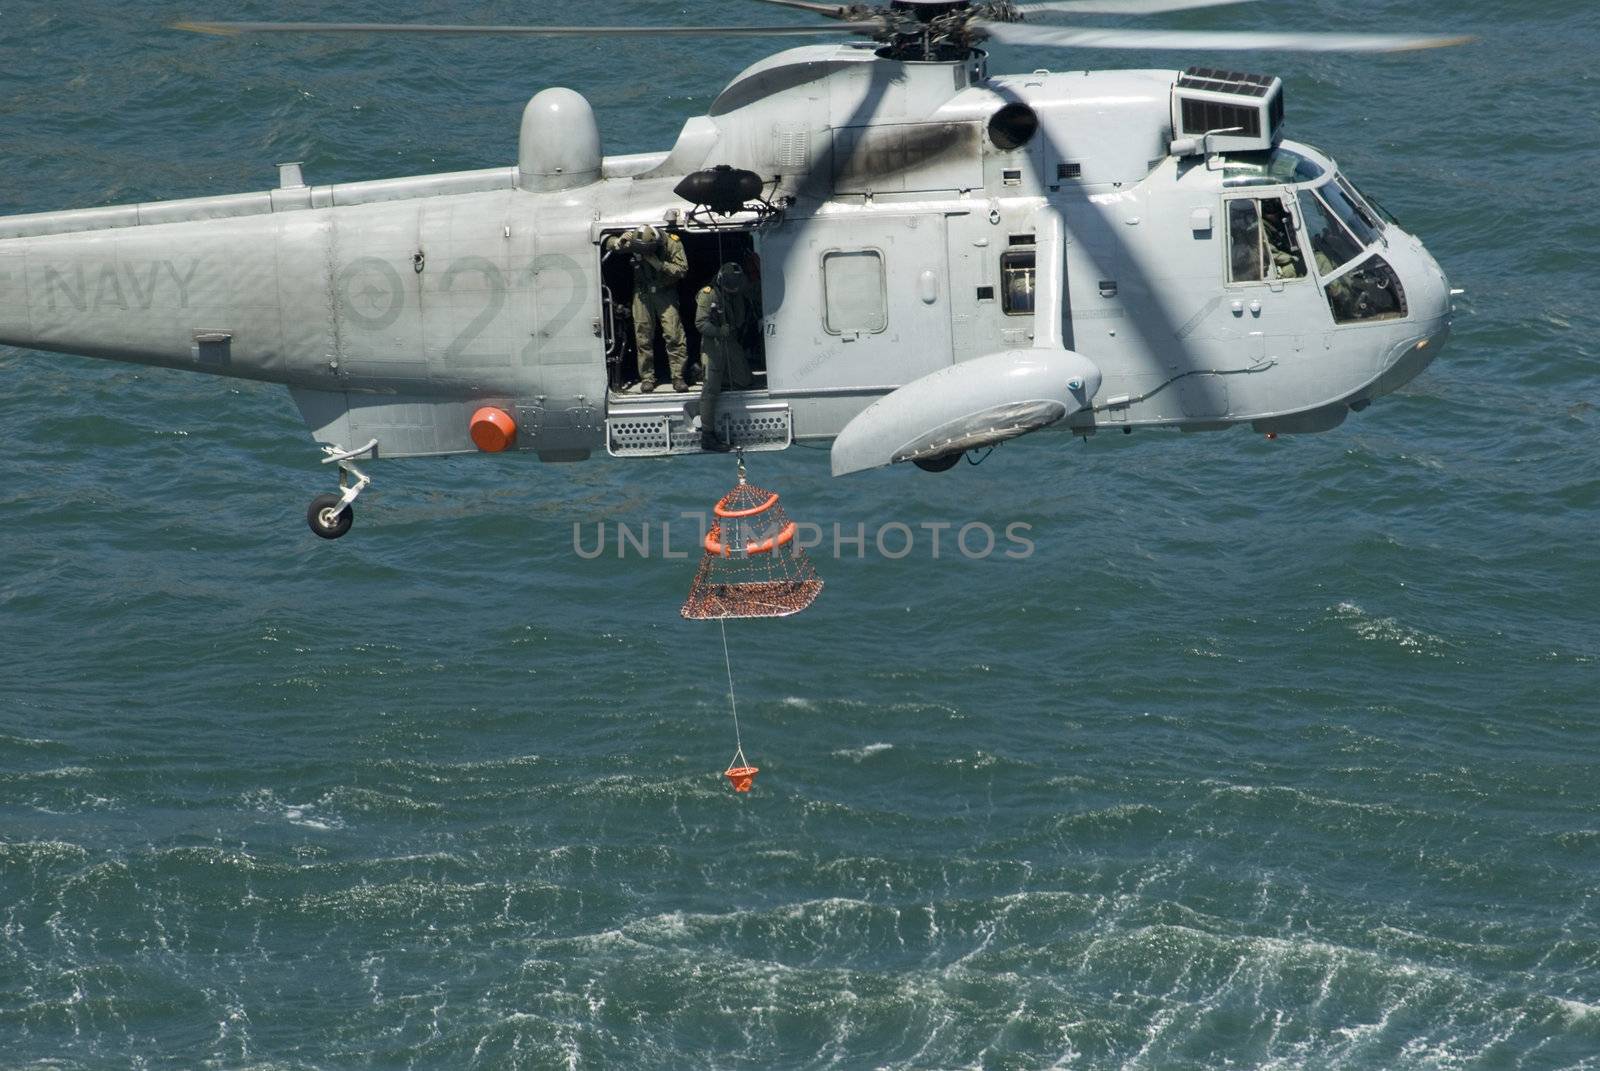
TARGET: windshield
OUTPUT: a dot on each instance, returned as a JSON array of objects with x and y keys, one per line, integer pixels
[
  {"x": 1353, "y": 213},
  {"x": 1331, "y": 243},
  {"x": 1274, "y": 167}
]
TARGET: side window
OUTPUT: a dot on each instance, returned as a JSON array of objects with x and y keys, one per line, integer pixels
[
  {"x": 1244, "y": 241},
  {"x": 1017, "y": 279},
  {"x": 1261, "y": 241},
  {"x": 854, "y": 291}
]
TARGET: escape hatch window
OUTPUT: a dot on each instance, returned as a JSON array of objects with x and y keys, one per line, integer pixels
[
  {"x": 1017, "y": 279},
  {"x": 854, "y": 292},
  {"x": 1261, "y": 241},
  {"x": 1275, "y": 167}
]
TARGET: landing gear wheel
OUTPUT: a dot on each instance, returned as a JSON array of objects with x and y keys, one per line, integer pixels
[
  {"x": 942, "y": 463},
  {"x": 331, "y": 516},
  {"x": 326, "y": 519}
]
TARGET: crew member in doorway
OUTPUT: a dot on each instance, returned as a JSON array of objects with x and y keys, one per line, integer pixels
[
  {"x": 754, "y": 345},
  {"x": 659, "y": 263},
  {"x": 722, "y": 316},
  {"x": 1282, "y": 249}
]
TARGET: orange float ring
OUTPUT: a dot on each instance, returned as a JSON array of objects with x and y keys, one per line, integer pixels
[
  {"x": 722, "y": 511},
  {"x": 766, "y": 546},
  {"x": 492, "y": 429}
]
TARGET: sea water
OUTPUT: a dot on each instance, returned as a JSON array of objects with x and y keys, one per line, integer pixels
[{"x": 1257, "y": 754}]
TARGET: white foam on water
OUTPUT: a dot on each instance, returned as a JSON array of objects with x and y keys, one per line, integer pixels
[
  {"x": 305, "y": 815},
  {"x": 297, "y": 816},
  {"x": 1224, "y": 788},
  {"x": 59, "y": 773},
  {"x": 19, "y": 852},
  {"x": 347, "y": 797},
  {"x": 859, "y": 753},
  {"x": 11, "y": 740},
  {"x": 1388, "y": 630},
  {"x": 1577, "y": 1010}
]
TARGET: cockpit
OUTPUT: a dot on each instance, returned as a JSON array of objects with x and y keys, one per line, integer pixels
[{"x": 1345, "y": 230}]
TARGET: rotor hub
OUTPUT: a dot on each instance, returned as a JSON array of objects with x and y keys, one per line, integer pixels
[
  {"x": 928, "y": 10},
  {"x": 939, "y": 30}
]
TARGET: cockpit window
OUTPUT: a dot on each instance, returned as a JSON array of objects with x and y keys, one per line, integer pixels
[
  {"x": 1283, "y": 255},
  {"x": 1354, "y": 214},
  {"x": 1274, "y": 167},
  {"x": 1367, "y": 200},
  {"x": 1359, "y": 203},
  {"x": 1369, "y": 291},
  {"x": 1330, "y": 242},
  {"x": 1261, "y": 241}
]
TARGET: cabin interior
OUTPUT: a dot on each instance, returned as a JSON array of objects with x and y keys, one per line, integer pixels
[{"x": 707, "y": 251}]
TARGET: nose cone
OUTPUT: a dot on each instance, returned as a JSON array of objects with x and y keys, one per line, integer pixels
[
  {"x": 1428, "y": 298},
  {"x": 1433, "y": 297}
]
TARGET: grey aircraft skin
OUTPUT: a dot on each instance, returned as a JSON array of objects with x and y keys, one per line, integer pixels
[{"x": 957, "y": 259}]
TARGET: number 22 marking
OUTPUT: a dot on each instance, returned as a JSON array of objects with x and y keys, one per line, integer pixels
[{"x": 495, "y": 289}]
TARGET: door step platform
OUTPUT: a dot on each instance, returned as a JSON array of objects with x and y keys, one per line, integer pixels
[{"x": 653, "y": 426}]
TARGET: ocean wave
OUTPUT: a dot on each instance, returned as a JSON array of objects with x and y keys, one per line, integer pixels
[
  {"x": 862, "y": 753},
  {"x": 1389, "y": 631}
]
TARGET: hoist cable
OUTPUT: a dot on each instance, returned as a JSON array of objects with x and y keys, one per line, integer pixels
[{"x": 732, "y": 702}]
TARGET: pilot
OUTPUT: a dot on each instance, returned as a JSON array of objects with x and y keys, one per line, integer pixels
[
  {"x": 659, "y": 262},
  {"x": 722, "y": 315},
  {"x": 1281, "y": 246},
  {"x": 1340, "y": 292}
]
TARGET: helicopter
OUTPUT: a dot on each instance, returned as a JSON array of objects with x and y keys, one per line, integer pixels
[{"x": 940, "y": 259}]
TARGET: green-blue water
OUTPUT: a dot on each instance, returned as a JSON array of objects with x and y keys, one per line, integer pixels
[{"x": 1271, "y": 754}]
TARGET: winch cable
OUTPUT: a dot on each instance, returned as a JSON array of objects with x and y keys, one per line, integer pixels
[{"x": 738, "y": 755}]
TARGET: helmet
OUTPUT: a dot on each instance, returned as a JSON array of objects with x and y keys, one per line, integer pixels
[
  {"x": 730, "y": 278},
  {"x": 649, "y": 235}
]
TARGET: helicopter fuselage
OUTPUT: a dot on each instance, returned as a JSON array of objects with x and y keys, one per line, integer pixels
[{"x": 927, "y": 216}]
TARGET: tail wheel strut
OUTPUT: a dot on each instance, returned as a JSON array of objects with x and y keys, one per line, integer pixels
[{"x": 330, "y": 516}]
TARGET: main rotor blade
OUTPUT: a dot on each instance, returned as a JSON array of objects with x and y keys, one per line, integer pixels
[
  {"x": 832, "y": 11},
  {"x": 1191, "y": 40},
  {"x": 232, "y": 29},
  {"x": 1113, "y": 7}
]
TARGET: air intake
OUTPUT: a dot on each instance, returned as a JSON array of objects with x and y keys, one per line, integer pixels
[{"x": 1239, "y": 111}]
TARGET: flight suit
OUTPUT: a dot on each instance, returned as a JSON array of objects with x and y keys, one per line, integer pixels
[
  {"x": 657, "y": 268},
  {"x": 1340, "y": 293},
  {"x": 723, "y": 316},
  {"x": 754, "y": 347},
  {"x": 1282, "y": 249}
]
